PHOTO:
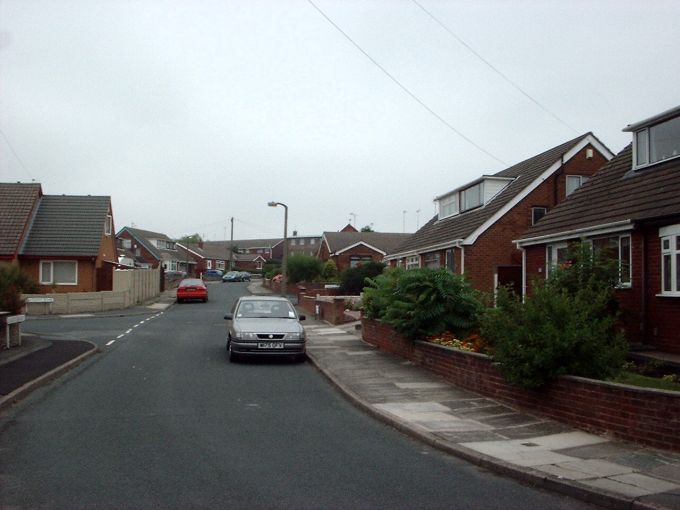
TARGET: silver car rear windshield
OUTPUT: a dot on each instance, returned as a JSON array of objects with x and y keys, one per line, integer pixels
[{"x": 265, "y": 309}]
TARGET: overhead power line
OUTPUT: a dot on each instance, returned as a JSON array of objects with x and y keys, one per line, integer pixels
[
  {"x": 405, "y": 89},
  {"x": 493, "y": 68},
  {"x": 21, "y": 163}
]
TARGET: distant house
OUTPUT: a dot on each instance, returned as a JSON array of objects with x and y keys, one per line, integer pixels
[
  {"x": 629, "y": 210},
  {"x": 65, "y": 243},
  {"x": 352, "y": 248},
  {"x": 249, "y": 261},
  {"x": 246, "y": 253},
  {"x": 476, "y": 223},
  {"x": 303, "y": 245},
  {"x": 154, "y": 249}
]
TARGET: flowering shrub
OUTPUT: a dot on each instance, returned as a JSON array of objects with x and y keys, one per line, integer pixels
[{"x": 472, "y": 343}]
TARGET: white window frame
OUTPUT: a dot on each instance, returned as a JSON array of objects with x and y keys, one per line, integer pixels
[
  {"x": 671, "y": 234},
  {"x": 432, "y": 260},
  {"x": 550, "y": 250},
  {"x": 464, "y": 206},
  {"x": 208, "y": 264},
  {"x": 581, "y": 181},
  {"x": 643, "y": 137},
  {"x": 49, "y": 279},
  {"x": 619, "y": 258},
  {"x": 448, "y": 206},
  {"x": 413, "y": 262},
  {"x": 108, "y": 225}
]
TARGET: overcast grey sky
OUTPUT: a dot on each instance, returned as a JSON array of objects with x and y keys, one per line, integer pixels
[{"x": 190, "y": 112}]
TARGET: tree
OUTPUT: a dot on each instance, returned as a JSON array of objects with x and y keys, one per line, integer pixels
[
  {"x": 13, "y": 283},
  {"x": 303, "y": 268},
  {"x": 191, "y": 239},
  {"x": 329, "y": 271},
  {"x": 367, "y": 228},
  {"x": 353, "y": 279}
]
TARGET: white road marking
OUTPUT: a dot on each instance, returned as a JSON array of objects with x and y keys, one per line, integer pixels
[
  {"x": 121, "y": 335},
  {"x": 109, "y": 343}
]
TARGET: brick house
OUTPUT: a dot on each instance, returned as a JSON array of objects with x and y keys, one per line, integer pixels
[
  {"x": 247, "y": 253},
  {"x": 631, "y": 210},
  {"x": 476, "y": 224},
  {"x": 351, "y": 248},
  {"x": 153, "y": 249},
  {"x": 303, "y": 245},
  {"x": 206, "y": 257},
  {"x": 249, "y": 261},
  {"x": 64, "y": 243}
]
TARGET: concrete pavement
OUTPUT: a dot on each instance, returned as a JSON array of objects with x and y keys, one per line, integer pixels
[{"x": 531, "y": 448}]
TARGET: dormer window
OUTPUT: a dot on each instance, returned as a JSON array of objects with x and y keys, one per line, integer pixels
[
  {"x": 472, "y": 195},
  {"x": 656, "y": 139},
  {"x": 448, "y": 206}
]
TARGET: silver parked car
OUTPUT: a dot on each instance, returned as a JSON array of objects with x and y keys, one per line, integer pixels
[{"x": 265, "y": 326}]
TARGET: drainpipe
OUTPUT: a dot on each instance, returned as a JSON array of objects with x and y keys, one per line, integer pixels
[
  {"x": 524, "y": 274},
  {"x": 643, "y": 284},
  {"x": 462, "y": 259}
]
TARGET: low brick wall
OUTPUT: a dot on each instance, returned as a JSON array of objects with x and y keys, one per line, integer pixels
[{"x": 651, "y": 417}]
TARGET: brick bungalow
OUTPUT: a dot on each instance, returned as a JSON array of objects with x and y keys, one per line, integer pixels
[
  {"x": 152, "y": 249},
  {"x": 476, "y": 224},
  {"x": 631, "y": 209},
  {"x": 65, "y": 243},
  {"x": 351, "y": 248}
]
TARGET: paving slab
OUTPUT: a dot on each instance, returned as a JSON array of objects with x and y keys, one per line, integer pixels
[{"x": 536, "y": 449}]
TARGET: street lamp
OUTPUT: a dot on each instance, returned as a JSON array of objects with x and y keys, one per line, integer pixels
[{"x": 284, "y": 272}]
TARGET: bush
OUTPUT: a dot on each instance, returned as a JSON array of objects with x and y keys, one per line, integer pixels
[
  {"x": 303, "y": 268},
  {"x": 567, "y": 326},
  {"x": 13, "y": 283},
  {"x": 271, "y": 270},
  {"x": 353, "y": 279},
  {"x": 329, "y": 273},
  {"x": 422, "y": 302}
]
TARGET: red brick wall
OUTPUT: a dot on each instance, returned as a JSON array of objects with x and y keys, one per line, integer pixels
[
  {"x": 148, "y": 257},
  {"x": 646, "y": 316},
  {"x": 87, "y": 281},
  {"x": 342, "y": 261},
  {"x": 662, "y": 326},
  {"x": 650, "y": 417},
  {"x": 495, "y": 247}
]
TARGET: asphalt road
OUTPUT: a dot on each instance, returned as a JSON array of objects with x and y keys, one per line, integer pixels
[{"x": 161, "y": 419}]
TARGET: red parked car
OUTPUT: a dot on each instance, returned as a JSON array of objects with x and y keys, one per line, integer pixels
[{"x": 192, "y": 288}]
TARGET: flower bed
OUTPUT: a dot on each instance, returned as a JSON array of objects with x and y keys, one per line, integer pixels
[{"x": 646, "y": 416}]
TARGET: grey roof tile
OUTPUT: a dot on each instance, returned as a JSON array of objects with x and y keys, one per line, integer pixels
[
  {"x": 383, "y": 241},
  {"x": 68, "y": 226},
  {"x": 437, "y": 231},
  {"x": 616, "y": 193}
]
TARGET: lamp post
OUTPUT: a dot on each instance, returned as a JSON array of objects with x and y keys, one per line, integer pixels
[{"x": 284, "y": 262}]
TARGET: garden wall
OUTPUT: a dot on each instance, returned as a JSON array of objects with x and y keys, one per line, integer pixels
[{"x": 647, "y": 416}]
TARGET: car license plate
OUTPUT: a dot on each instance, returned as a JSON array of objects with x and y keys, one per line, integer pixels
[{"x": 270, "y": 345}]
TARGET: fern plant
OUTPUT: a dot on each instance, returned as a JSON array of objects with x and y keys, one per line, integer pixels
[{"x": 422, "y": 302}]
